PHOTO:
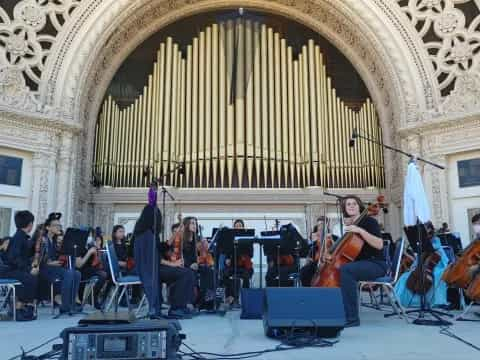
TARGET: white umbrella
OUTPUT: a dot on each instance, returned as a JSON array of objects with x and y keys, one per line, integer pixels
[{"x": 415, "y": 203}]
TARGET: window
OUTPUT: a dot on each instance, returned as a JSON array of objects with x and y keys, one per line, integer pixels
[
  {"x": 10, "y": 170},
  {"x": 5, "y": 221},
  {"x": 469, "y": 173}
]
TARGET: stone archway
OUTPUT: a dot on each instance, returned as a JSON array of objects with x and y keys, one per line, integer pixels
[{"x": 371, "y": 34}]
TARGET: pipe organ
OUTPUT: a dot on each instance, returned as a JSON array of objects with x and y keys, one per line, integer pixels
[{"x": 240, "y": 109}]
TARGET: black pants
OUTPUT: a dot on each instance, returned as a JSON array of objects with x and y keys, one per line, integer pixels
[
  {"x": 232, "y": 287},
  {"x": 68, "y": 285},
  {"x": 206, "y": 284},
  {"x": 181, "y": 282},
  {"x": 27, "y": 292},
  {"x": 307, "y": 272},
  {"x": 87, "y": 273},
  {"x": 350, "y": 275},
  {"x": 272, "y": 276}
]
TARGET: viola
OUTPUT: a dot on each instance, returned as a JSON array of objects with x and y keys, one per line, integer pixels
[{"x": 342, "y": 252}]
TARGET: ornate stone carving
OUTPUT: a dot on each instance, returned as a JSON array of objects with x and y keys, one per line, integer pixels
[
  {"x": 466, "y": 96},
  {"x": 453, "y": 43},
  {"x": 104, "y": 217},
  {"x": 25, "y": 39},
  {"x": 13, "y": 91}
]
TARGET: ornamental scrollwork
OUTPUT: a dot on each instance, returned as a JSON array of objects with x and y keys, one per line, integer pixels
[
  {"x": 450, "y": 31},
  {"x": 27, "y": 35}
]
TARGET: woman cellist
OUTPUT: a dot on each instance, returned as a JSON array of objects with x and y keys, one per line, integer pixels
[{"x": 370, "y": 263}]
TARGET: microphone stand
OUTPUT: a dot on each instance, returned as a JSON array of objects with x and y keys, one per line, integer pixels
[
  {"x": 356, "y": 134},
  {"x": 424, "y": 307},
  {"x": 338, "y": 206}
]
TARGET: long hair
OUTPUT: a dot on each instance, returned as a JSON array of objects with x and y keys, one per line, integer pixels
[
  {"x": 344, "y": 204},
  {"x": 150, "y": 217},
  {"x": 114, "y": 231},
  {"x": 186, "y": 231}
]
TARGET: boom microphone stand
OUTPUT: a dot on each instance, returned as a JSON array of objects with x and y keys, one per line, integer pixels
[{"x": 419, "y": 239}]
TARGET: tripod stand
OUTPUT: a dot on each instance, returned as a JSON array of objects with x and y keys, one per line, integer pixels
[{"x": 420, "y": 243}]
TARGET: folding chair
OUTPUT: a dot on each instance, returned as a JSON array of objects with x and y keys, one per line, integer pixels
[
  {"x": 8, "y": 285},
  {"x": 387, "y": 282},
  {"x": 121, "y": 283}
]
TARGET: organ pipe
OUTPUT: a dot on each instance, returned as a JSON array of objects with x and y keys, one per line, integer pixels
[{"x": 239, "y": 107}]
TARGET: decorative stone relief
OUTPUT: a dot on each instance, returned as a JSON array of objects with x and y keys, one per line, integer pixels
[
  {"x": 103, "y": 217},
  {"x": 13, "y": 90},
  {"x": 451, "y": 38},
  {"x": 27, "y": 35}
]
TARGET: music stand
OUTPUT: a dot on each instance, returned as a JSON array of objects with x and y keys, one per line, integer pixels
[
  {"x": 420, "y": 243},
  {"x": 73, "y": 239},
  {"x": 228, "y": 243}
]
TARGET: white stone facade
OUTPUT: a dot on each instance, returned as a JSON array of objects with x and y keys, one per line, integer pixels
[{"x": 52, "y": 86}]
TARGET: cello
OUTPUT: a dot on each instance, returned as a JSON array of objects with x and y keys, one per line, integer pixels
[
  {"x": 458, "y": 273},
  {"x": 343, "y": 251}
]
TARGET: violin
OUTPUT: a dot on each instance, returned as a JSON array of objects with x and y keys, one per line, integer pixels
[
  {"x": 40, "y": 247},
  {"x": 380, "y": 204},
  {"x": 204, "y": 256},
  {"x": 176, "y": 251}
]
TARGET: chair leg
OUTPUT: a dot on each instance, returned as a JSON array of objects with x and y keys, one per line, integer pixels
[
  {"x": 109, "y": 305},
  {"x": 52, "y": 299},
  {"x": 14, "y": 305},
  {"x": 140, "y": 305},
  {"x": 394, "y": 301}
]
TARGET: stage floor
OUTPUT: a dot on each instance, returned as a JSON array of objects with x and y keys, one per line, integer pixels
[{"x": 376, "y": 339}]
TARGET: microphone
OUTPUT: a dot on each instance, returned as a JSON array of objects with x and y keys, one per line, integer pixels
[
  {"x": 335, "y": 195},
  {"x": 351, "y": 142}
]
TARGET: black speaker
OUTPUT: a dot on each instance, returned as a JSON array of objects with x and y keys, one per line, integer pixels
[{"x": 316, "y": 309}]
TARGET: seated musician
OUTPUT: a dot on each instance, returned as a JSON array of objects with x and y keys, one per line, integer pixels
[
  {"x": 153, "y": 272},
  {"x": 318, "y": 234},
  {"x": 52, "y": 270},
  {"x": 19, "y": 265},
  {"x": 119, "y": 242},
  {"x": 369, "y": 265},
  {"x": 437, "y": 294},
  {"x": 91, "y": 266},
  {"x": 192, "y": 244},
  {"x": 244, "y": 271}
]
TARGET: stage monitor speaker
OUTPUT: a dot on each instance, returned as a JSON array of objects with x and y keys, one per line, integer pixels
[{"x": 314, "y": 309}]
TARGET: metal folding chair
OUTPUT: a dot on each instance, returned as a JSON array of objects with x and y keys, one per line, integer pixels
[
  {"x": 121, "y": 282},
  {"x": 387, "y": 282},
  {"x": 8, "y": 289}
]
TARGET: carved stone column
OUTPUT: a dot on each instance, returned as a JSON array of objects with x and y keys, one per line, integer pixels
[
  {"x": 64, "y": 177},
  {"x": 104, "y": 217},
  {"x": 436, "y": 186},
  {"x": 43, "y": 184}
]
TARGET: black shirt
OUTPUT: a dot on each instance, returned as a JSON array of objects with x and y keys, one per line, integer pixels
[
  {"x": 189, "y": 253},
  {"x": 369, "y": 252},
  {"x": 18, "y": 254},
  {"x": 121, "y": 250}
]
